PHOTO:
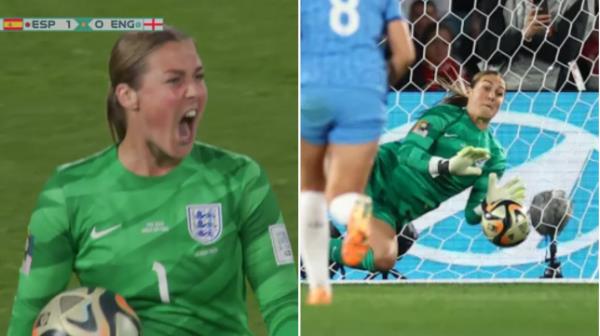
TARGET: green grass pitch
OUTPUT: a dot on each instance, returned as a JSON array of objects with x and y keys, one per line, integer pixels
[
  {"x": 53, "y": 88},
  {"x": 456, "y": 310}
]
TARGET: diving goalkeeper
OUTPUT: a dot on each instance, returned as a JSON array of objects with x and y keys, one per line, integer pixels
[{"x": 449, "y": 149}]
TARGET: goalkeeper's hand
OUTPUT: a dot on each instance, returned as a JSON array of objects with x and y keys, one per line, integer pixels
[
  {"x": 513, "y": 190},
  {"x": 460, "y": 164}
]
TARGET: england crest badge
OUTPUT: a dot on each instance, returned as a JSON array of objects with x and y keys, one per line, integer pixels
[{"x": 205, "y": 222}]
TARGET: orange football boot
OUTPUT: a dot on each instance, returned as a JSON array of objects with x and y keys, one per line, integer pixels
[{"x": 355, "y": 247}]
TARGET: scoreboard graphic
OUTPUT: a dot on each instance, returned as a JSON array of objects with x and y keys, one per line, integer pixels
[{"x": 80, "y": 24}]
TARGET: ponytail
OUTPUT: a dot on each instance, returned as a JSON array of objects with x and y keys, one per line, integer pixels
[
  {"x": 458, "y": 92},
  {"x": 459, "y": 89}
]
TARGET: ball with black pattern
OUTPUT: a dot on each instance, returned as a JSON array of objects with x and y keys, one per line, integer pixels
[
  {"x": 505, "y": 223},
  {"x": 86, "y": 312}
]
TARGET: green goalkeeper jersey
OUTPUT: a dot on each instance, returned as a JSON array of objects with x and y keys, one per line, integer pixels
[
  {"x": 401, "y": 184},
  {"x": 178, "y": 247}
]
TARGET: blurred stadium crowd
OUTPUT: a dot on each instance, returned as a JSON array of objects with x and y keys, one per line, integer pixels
[{"x": 537, "y": 44}]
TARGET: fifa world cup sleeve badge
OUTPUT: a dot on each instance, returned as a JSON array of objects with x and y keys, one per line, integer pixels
[{"x": 282, "y": 248}]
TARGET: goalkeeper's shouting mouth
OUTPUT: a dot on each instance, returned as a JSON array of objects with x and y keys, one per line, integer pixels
[{"x": 448, "y": 150}]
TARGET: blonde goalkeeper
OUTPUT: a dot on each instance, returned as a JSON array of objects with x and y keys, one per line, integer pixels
[{"x": 449, "y": 149}]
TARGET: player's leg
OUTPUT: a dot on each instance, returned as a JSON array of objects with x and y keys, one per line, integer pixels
[
  {"x": 314, "y": 226},
  {"x": 383, "y": 243},
  {"x": 388, "y": 246},
  {"x": 352, "y": 150},
  {"x": 312, "y": 174},
  {"x": 379, "y": 253},
  {"x": 348, "y": 170}
]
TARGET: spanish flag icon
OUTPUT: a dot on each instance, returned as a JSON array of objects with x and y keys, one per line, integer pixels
[{"x": 13, "y": 24}]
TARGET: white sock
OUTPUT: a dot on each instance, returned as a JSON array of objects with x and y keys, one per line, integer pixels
[{"x": 314, "y": 238}]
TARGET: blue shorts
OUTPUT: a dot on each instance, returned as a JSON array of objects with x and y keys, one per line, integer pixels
[{"x": 341, "y": 116}]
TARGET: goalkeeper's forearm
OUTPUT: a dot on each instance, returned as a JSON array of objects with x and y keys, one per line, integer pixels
[{"x": 461, "y": 164}]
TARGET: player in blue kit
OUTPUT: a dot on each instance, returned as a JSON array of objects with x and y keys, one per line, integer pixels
[{"x": 343, "y": 79}]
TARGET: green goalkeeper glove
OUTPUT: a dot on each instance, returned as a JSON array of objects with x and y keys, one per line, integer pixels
[
  {"x": 513, "y": 190},
  {"x": 461, "y": 164}
]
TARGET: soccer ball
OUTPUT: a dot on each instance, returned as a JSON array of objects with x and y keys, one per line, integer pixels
[
  {"x": 86, "y": 312},
  {"x": 505, "y": 223}
]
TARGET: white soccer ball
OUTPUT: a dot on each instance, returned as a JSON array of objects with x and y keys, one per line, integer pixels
[
  {"x": 86, "y": 312},
  {"x": 505, "y": 223}
]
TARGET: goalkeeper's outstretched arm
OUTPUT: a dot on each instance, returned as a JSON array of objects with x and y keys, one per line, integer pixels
[{"x": 415, "y": 150}]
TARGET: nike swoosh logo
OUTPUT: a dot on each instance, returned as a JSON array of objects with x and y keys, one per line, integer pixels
[
  {"x": 99, "y": 234},
  {"x": 448, "y": 135}
]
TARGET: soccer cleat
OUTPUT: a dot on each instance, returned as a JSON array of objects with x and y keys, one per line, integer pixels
[
  {"x": 319, "y": 296},
  {"x": 355, "y": 246}
]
